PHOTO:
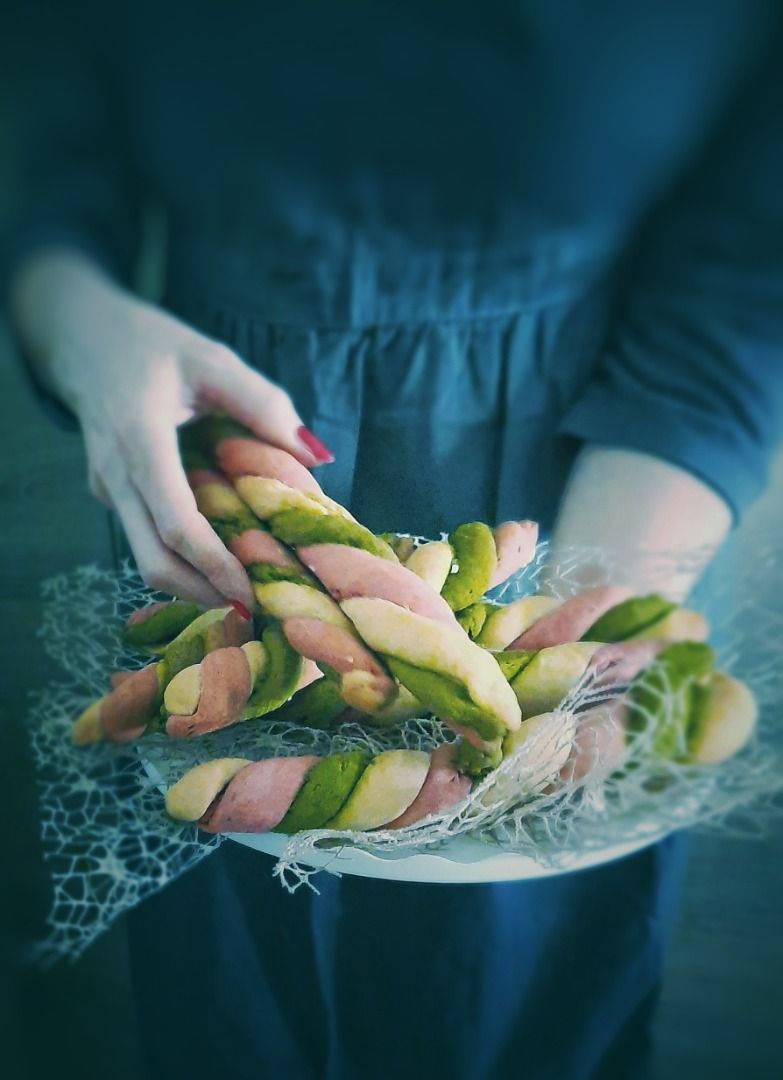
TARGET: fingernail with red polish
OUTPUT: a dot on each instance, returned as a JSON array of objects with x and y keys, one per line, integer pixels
[
  {"x": 240, "y": 609},
  {"x": 314, "y": 445}
]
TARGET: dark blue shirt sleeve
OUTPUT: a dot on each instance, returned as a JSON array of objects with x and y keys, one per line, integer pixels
[
  {"x": 72, "y": 181},
  {"x": 693, "y": 366},
  {"x": 75, "y": 183}
]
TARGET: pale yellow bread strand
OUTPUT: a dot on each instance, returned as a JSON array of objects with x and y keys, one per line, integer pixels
[
  {"x": 548, "y": 738},
  {"x": 88, "y": 727},
  {"x": 425, "y": 643},
  {"x": 182, "y": 694},
  {"x": 365, "y": 692},
  {"x": 217, "y": 499},
  {"x": 730, "y": 716},
  {"x": 191, "y": 796},
  {"x": 404, "y": 707},
  {"x": 682, "y": 624},
  {"x": 443, "y": 789},
  {"x": 506, "y": 623},
  {"x": 291, "y": 600},
  {"x": 432, "y": 563},
  {"x": 267, "y": 497},
  {"x": 542, "y": 685},
  {"x": 385, "y": 789}
]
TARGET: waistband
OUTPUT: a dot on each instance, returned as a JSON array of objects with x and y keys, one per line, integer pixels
[{"x": 354, "y": 283}]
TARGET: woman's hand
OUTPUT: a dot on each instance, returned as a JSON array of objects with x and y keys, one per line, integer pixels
[{"x": 132, "y": 374}]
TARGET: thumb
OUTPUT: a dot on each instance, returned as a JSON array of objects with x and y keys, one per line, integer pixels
[{"x": 261, "y": 405}]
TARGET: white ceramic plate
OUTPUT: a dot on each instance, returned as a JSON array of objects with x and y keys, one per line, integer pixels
[{"x": 459, "y": 862}]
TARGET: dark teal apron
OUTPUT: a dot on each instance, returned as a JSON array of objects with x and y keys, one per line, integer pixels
[{"x": 438, "y": 384}]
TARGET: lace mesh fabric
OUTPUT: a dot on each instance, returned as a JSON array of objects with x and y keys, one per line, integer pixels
[{"x": 109, "y": 843}]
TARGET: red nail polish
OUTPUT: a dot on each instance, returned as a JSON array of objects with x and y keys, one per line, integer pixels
[
  {"x": 321, "y": 454},
  {"x": 240, "y": 609}
]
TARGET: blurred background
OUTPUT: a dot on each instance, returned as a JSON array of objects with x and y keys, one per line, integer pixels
[{"x": 719, "y": 1013}]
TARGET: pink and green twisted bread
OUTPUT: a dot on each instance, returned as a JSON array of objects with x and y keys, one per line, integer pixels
[
  {"x": 375, "y": 618},
  {"x": 399, "y": 630},
  {"x": 354, "y": 790},
  {"x": 697, "y": 716}
]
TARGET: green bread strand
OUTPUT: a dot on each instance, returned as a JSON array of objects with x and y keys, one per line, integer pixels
[
  {"x": 402, "y": 546},
  {"x": 266, "y": 574},
  {"x": 324, "y": 792},
  {"x": 184, "y": 651},
  {"x": 444, "y": 697},
  {"x": 664, "y": 695},
  {"x": 300, "y": 527},
  {"x": 329, "y": 673},
  {"x": 472, "y": 618},
  {"x": 513, "y": 661},
  {"x": 156, "y": 720},
  {"x": 318, "y": 705},
  {"x": 193, "y": 451},
  {"x": 629, "y": 617},
  {"x": 181, "y": 653},
  {"x": 196, "y": 453},
  {"x": 699, "y": 715},
  {"x": 280, "y": 677},
  {"x": 229, "y": 529},
  {"x": 476, "y": 554},
  {"x": 198, "y": 439},
  {"x": 477, "y": 763},
  {"x": 160, "y": 628}
]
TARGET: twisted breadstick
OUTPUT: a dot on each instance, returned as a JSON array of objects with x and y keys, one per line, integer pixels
[
  {"x": 152, "y": 628},
  {"x": 607, "y": 613},
  {"x": 697, "y": 716},
  {"x": 553, "y": 644},
  {"x": 540, "y": 679},
  {"x": 472, "y": 561},
  {"x": 133, "y": 705},
  {"x": 484, "y": 558},
  {"x": 396, "y": 613},
  {"x": 233, "y": 684},
  {"x": 346, "y": 600},
  {"x": 311, "y": 621},
  {"x": 343, "y": 791}
]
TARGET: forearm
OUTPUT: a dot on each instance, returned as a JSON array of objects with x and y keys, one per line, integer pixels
[
  {"x": 638, "y": 507},
  {"x": 133, "y": 374},
  {"x": 57, "y": 297}
]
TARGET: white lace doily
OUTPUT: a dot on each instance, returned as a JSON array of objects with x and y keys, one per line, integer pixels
[{"x": 109, "y": 844}]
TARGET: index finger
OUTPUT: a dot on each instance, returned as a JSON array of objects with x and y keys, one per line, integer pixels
[{"x": 157, "y": 473}]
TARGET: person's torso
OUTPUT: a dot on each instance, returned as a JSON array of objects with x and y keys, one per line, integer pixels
[
  {"x": 412, "y": 215},
  {"x": 368, "y": 136}
]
